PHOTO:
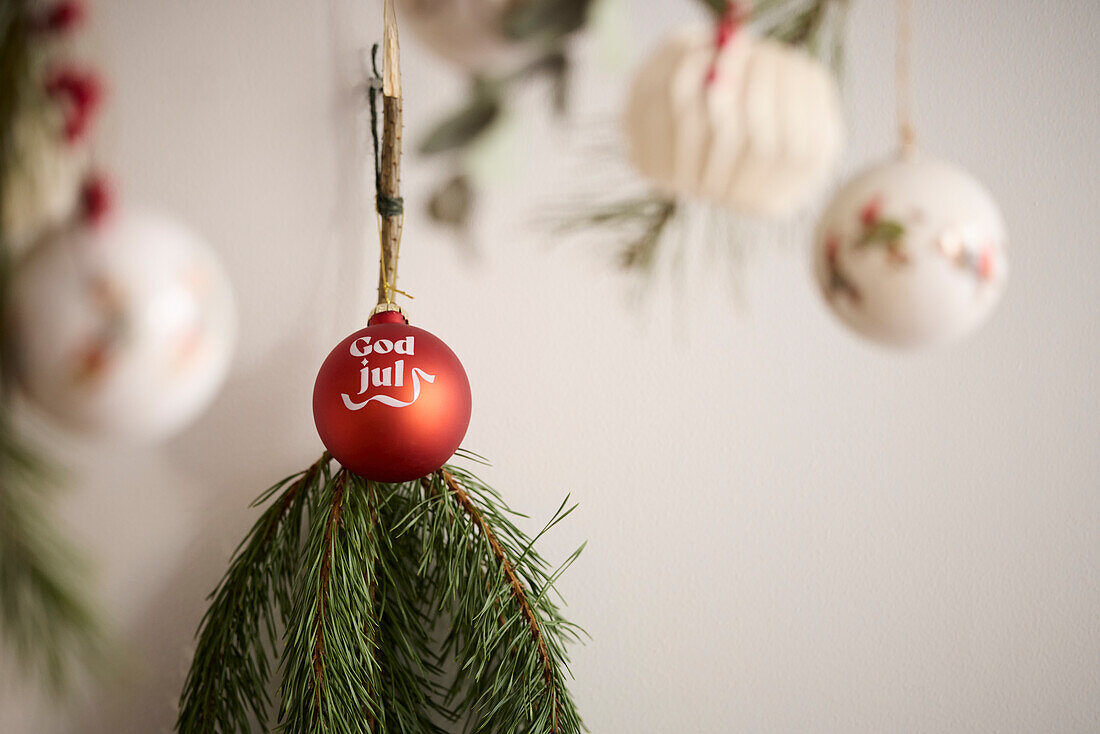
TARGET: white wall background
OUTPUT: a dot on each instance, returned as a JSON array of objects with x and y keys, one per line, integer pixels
[{"x": 790, "y": 531}]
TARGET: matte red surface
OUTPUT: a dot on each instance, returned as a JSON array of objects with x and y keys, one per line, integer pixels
[{"x": 384, "y": 442}]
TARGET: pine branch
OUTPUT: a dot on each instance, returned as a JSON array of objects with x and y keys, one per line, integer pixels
[
  {"x": 509, "y": 571},
  {"x": 654, "y": 216},
  {"x": 359, "y": 598},
  {"x": 45, "y": 616},
  {"x": 411, "y": 693},
  {"x": 226, "y": 687},
  {"x": 507, "y": 633},
  {"x": 637, "y": 225},
  {"x": 331, "y": 679}
]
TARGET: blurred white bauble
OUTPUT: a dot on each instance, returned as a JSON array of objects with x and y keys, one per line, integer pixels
[
  {"x": 123, "y": 329},
  {"x": 42, "y": 188},
  {"x": 912, "y": 252},
  {"x": 467, "y": 33},
  {"x": 753, "y": 124}
]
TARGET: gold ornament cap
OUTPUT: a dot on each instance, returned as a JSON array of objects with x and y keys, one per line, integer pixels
[{"x": 385, "y": 307}]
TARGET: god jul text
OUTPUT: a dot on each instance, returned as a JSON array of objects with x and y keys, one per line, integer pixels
[{"x": 376, "y": 377}]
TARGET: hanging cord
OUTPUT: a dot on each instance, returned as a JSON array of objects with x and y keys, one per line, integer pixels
[
  {"x": 907, "y": 137},
  {"x": 388, "y": 203}
]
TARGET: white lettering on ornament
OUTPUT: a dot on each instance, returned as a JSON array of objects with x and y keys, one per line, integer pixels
[
  {"x": 374, "y": 377},
  {"x": 404, "y": 346}
]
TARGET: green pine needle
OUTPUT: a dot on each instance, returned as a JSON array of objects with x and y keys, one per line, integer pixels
[{"x": 507, "y": 632}]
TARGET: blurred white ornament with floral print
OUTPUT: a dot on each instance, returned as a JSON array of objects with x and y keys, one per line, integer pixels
[
  {"x": 122, "y": 326},
  {"x": 912, "y": 252},
  {"x": 744, "y": 122}
]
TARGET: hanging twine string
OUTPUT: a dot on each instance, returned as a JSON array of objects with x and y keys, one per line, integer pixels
[
  {"x": 388, "y": 203},
  {"x": 907, "y": 136}
]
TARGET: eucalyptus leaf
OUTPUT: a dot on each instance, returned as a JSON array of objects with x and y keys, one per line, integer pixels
[
  {"x": 718, "y": 6},
  {"x": 883, "y": 232},
  {"x": 452, "y": 202},
  {"x": 557, "y": 66},
  {"x": 463, "y": 127},
  {"x": 547, "y": 18}
]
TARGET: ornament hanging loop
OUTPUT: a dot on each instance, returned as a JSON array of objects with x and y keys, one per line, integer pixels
[
  {"x": 907, "y": 137},
  {"x": 388, "y": 202}
]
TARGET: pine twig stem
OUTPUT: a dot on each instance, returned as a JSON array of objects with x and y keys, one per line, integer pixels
[
  {"x": 389, "y": 183},
  {"x": 507, "y": 569}
]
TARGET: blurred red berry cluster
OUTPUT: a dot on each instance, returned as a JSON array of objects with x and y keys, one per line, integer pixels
[
  {"x": 61, "y": 17},
  {"x": 96, "y": 198},
  {"x": 79, "y": 93}
]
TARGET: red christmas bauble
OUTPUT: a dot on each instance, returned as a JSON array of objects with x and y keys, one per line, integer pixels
[{"x": 391, "y": 401}]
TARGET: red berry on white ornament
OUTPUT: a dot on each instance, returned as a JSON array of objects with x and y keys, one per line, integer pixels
[
  {"x": 391, "y": 402},
  {"x": 61, "y": 17},
  {"x": 123, "y": 328},
  {"x": 911, "y": 252},
  {"x": 80, "y": 94},
  {"x": 96, "y": 199}
]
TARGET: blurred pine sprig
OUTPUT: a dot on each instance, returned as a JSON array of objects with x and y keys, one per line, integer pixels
[{"x": 46, "y": 618}]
